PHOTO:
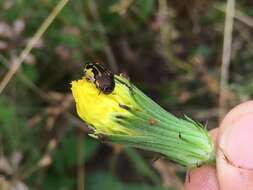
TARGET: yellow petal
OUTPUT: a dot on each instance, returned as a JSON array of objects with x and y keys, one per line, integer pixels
[{"x": 98, "y": 109}]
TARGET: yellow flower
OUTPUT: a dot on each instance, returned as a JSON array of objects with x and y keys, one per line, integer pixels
[
  {"x": 99, "y": 110},
  {"x": 127, "y": 116}
]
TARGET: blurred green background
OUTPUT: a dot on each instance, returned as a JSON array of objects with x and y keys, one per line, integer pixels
[{"x": 172, "y": 50}]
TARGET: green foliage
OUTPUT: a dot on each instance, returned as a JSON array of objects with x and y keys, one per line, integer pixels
[
  {"x": 7, "y": 112},
  {"x": 67, "y": 154},
  {"x": 30, "y": 71},
  {"x": 142, "y": 168},
  {"x": 203, "y": 50},
  {"x": 146, "y": 8},
  {"x": 107, "y": 181},
  {"x": 13, "y": 132},
  {"x": 66, "y": 158},
  {"x": 110, "y": 19},
  {"x": 59, "y": 181}
]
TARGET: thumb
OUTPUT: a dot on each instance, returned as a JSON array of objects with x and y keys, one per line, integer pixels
[{"x": 235, "y": 149}]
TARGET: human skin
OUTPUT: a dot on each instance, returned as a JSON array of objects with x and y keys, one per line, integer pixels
[{"x": 234, "y": 160}]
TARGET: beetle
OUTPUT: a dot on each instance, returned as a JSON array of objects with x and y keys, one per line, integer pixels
[{"x": 101, "y": 77}]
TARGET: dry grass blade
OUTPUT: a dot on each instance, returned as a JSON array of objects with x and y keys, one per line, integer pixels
[
  {"x": 14, "y": 68},
  {"x": 226, "y": 55}
]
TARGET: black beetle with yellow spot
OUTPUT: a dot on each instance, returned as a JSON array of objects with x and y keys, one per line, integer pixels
[{"x": 101, "y": 77}]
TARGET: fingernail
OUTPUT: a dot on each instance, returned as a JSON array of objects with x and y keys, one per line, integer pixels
[{"x": 237, "y": 142}]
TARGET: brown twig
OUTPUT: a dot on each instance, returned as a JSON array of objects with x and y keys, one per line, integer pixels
[{"x": 226, "y": 56}]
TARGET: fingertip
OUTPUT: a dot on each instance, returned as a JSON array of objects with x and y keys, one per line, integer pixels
[
  {"x": 236, "y": 113},
  {"x": 234, "y": 153},
  {"x": 235, "y": 135},
  {"x": 202, "y": 178}
]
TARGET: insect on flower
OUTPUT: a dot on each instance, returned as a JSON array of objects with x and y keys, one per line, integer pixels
[
  {"x": 127, "y": 116},
  {"x": 101, "y": 77}
]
